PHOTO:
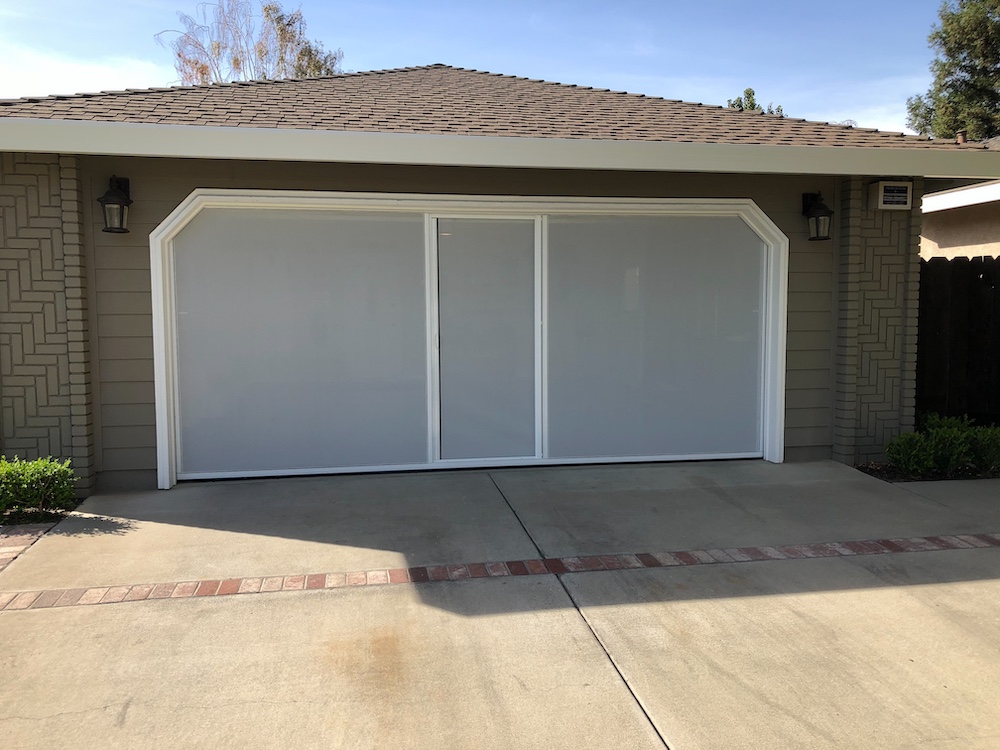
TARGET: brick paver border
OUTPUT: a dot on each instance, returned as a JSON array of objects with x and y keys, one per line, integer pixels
[
  {"x": 21, "y": 600},
  {"x": 16, "y": 539}
]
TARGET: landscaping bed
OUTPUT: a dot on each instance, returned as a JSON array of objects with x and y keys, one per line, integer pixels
[{"x": 941, "y": 448}]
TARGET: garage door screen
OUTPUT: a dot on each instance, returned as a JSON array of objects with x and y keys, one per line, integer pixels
[
  {"x": 654, "y": 345},
  {"x": 301, "y": 341},
  {"x": 330, "y": 337}
]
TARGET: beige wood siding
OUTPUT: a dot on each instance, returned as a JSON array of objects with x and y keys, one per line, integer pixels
[{"x": 121, "y": 305}]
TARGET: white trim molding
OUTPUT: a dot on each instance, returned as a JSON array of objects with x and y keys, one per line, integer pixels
[
  {"x": 164, "y": 334},
  {"x": 22, "y": 134},
  {"x": 972, "y": 195}
]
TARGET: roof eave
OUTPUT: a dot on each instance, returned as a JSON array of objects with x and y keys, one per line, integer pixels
[
  {"x": 209, "y": 142},
  {"x": 971, "y": 195}
]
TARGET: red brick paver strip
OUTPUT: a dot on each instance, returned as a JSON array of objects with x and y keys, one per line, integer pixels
[
  {"x": 115, "y": 594},
  {"x": 476, "y": 570},
  {"x": 274, "y": 583},
  {"x": 207, "y": 588},
  {"x": 497, "y": 569},
  {"x": 318, "y": 581},
  {"x": 975, "y": 541},
  {"x": 517, "y": 568},
  {"x": 46, "y": 599},
  {"x": 232, "y": 586},
  {"x": 535, "y": 567},
  {"x": 140, "y": 592},
  {"x": 162, "y": 590},
  {"x": 23, "y": 600},
  {"x": 571, "y": 565},
  {"x": 92, "y": 596},
  {"x": 185, "y": 589}
]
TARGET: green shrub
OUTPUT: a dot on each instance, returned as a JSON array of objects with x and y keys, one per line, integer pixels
[
  {"x": 911, "y": 454},
  {"x": 935, "y": 421},
  {"x": 43, "y": 484},
  {"x": 949, "y": 447},
  {"x": 984, "y": 449}
]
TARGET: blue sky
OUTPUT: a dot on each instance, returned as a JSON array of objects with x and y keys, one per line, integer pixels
[{"x": 832, "y": 61}]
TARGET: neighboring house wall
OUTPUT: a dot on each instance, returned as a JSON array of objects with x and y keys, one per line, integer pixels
[
  {"x": 965, "y": 232},
  {"x": 45, "y": 392},
  {"x": 877, "y": 339}
]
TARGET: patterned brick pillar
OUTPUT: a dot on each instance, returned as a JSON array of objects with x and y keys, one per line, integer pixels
[
  {"x": 877, "y": 322},
  {"x": 45, "y": 392}
]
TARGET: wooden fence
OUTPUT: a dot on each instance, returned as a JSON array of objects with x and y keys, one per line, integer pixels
[{"x": 958, "y": 349}]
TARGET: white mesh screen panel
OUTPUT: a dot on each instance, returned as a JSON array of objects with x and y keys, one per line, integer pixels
[
  {"x": 486, "y": 288},
  {"x": 301, "y": 340},
  {"x": 654, "y": 336}
]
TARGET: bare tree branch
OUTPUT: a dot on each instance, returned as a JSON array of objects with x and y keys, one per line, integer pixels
[{"x": 225, "y": 41}]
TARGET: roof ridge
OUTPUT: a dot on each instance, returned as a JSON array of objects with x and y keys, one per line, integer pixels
[
  {"x": 650, "y": 97},
  {"x": 216, "y": 85}
]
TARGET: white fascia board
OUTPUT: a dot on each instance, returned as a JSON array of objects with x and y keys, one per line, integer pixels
[
  {"x": 959, "y": 197},
  {"x": 204, "y": 142}
]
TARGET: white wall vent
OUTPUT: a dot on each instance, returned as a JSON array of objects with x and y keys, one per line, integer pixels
[{"x": 891, "y": 196}]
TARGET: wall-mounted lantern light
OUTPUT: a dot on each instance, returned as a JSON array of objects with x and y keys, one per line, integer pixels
[
  {"x": 115, "y": 205},
  {"x": 818, "y": 215}
]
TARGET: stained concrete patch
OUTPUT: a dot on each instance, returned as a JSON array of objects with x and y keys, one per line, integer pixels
[
  {"x": 353, "y": 669},
  {"x": 810, "y": 654},
  {"x": 274, "y": 527}
]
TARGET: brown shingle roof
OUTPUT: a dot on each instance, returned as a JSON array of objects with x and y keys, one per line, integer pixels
[{"x": 439, "y": 99}]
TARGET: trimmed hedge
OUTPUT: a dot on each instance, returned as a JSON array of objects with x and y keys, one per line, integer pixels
[
  {"x": 946, "y": 447},
  {"x": 44, "y": 484}
]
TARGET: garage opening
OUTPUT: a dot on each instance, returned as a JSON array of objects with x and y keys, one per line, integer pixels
[{"x": 335, "y": 333}]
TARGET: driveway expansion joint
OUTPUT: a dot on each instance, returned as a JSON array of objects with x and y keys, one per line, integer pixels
[{"x": 558, "y": 566}]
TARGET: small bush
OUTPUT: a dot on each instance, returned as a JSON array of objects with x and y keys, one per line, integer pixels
[
  {"x": 946, "y": 447},
  {"x": 984, "y": 449},
  {"x": 44, "y": 484},
  {"x": 949, "y": 448},
  {"x": 934, "y": 421},
  {"x": 911, "y": 454}
]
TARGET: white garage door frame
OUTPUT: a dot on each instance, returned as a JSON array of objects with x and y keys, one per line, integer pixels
[{"x": 452, "y": 206}]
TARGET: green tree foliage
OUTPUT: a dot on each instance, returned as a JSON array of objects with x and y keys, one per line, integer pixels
[
  {"x": 227, "y": 41},
  {"x": 748, "y": 103},
  {"x": 965, "y": 94}
]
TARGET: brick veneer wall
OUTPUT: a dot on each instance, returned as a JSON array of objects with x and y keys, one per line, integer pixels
[
  {"x": 877, "y": 323},
  {"x": 45, "y": 390}
]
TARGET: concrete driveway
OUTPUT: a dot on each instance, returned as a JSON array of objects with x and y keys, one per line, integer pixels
[{"x": 709, "y": 605}]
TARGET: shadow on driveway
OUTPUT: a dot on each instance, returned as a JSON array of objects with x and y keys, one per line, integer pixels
[{"x": 232, "y": 529}]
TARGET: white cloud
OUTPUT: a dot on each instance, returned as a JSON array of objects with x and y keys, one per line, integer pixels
[{"x": 26, "y": 71}]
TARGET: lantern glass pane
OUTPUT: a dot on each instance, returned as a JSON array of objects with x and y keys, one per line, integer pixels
[{"x": 113, "y": 215}]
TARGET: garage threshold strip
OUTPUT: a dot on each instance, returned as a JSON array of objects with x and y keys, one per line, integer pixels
[{"x": 21, "y": 600}]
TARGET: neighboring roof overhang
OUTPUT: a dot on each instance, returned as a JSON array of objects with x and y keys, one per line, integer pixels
[
  {"x": 204, "y": 142},
  {"x": 987, "y": 192}
]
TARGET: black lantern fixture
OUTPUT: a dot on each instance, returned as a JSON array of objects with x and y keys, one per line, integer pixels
[
  {"x": 818, "y": 215},
  {"x": 115, "y": 205}
]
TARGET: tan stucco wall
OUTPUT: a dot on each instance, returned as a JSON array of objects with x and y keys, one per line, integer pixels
[{"x": 967, "y": 232}]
